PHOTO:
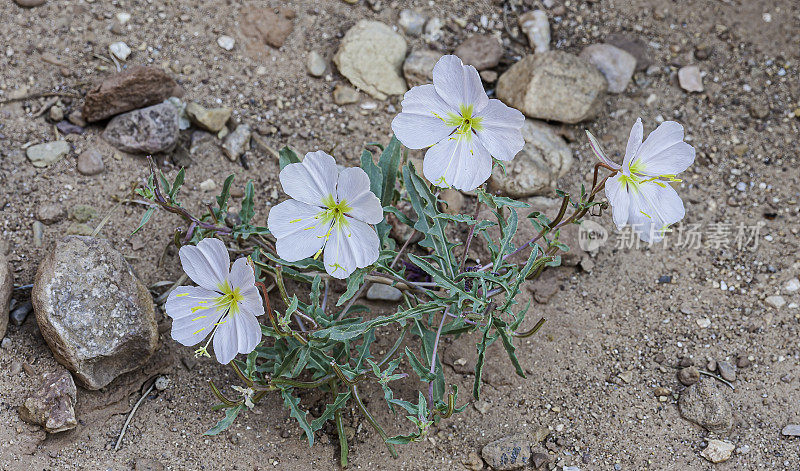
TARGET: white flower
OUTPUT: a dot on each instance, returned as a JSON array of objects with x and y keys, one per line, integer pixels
[
  {"x": 462, "y": 126},
  {"x": 640, "y": 192},
  {"x": 225, "y": 304},
  {"x": 331, "y": 211}
]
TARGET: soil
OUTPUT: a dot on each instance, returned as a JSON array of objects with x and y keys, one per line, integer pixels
[{"x": 612, "y": 335}]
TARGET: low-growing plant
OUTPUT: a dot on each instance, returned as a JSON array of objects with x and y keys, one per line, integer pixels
[{"x": 335, "y": 227}]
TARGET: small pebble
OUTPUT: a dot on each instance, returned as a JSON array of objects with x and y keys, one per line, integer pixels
[
  {"x": 727, "y": 371},
  {"x": 20, "y": 313},
  {"x": 688, "y": 376},
  {"x": 316, "y": 64},
  {"x": 208, "y": 185},
  {"x": 226, "y": 42}
]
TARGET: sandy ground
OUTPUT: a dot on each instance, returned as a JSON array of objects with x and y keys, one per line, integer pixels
[{"x": 615, "y": 319}]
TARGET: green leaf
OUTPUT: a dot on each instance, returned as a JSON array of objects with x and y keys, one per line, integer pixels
[
  {"x": 485, "y": 342},
  {"x": 389, "y": 162},
  {"x": 341, "y": 332},
  {"x": 176, "y": 184},
  {"x": 230, "y": 415},
  {"x": 145, "y": 218},
  {"x": 497, "y": 202},
  {"x": 443, "y": 280},
  {"x": 374, "y": 173},
  {"x": 354, "y": 282},
  {"x": 293, "y": 404},
  {"x": 423, "y": 372},
  {"x": 287, "y": 156},
  {"x": 248, "y": 211},
  {"x": 508, "y": 229},
  {"x": 508, "y": 344},
  {"x": 330, "y": 409},
  {"x": 222, "y": 199}
]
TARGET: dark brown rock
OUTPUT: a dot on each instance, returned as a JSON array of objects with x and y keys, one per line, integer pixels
[
  {"x": 29, "y": 3},
  {"x": 53, "y": 405},
  {"x": 95, "y": 315},
  {"x": 134, "y": 88},
  {"x": 481, "y": 52}
]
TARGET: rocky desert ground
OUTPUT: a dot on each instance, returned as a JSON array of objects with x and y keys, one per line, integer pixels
[{"x": 684, "y": 355}]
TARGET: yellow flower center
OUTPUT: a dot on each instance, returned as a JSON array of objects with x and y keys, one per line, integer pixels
[
  {"x": 229, "y": 300},
  {"x": 334, "y": 211},
  {"x": 464, "y": 122}
]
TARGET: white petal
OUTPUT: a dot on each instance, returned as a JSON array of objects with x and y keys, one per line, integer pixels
[
  {"x": 353, "y": 188},
  {"x": 251, "y": 301},
  {"x": 634, "y": 142},
  {"x": 654, "y": 206},
  {"x": 193, "y": 312},
  {"x": 242, "y": 274},
  {"x": 457, "y": 162},
  {"x": 459, "y": 84},
  {"x": 664, "y": 152},
  {"x": 501, "y": 131},
  {"x": 226, "y": 340},
  {"x": 312, "y": 179},
  {"x": 351, "y": 246},
  {"x": 207, "y": 263},
  {"x": 299, "y": 231},
  {"x": 422, "y": 121},
  {"x": 617, "y": 195},
  {"x": 248, "y": 332}
]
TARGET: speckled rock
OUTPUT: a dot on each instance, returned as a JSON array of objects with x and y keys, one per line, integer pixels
[
  {"x": 718, "y": 451},
  {"x": 545, "y": 158},
  {"x": 6, "y": 287},
  {"x": 146, "y": 131},
  {"x": 508, "y": 453},
  {"x": 96, "y": 316},
  {"x": 370, "y": 56},
  {"x": 703, "y": 404},
  {"x": 553, "y": 85},
  {"x": 53, "y": 405}
]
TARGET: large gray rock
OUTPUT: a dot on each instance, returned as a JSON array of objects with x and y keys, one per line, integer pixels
[
  {"x": 6, "y": 287},
  {"x": 53, "y": 405},
  {"x": 616, "y": 65},
  {"x": 145, "y": 131},
  {"x": 96, "y": 316},
  {"x": 370, "y": 56},
  {"x": 507, "y": 453},
  {"x": 703, "y": 404},
  {"x": 545, "y": 158},
  {"x": 553, "y": 85}
]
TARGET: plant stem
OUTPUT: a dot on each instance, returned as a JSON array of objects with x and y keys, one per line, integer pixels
[
  {"x": 371, "y": 420},
  {"x": 433, "y": 354},
  {"x": 343, "y": 450},
  {"x": 469, "y": 236}
]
